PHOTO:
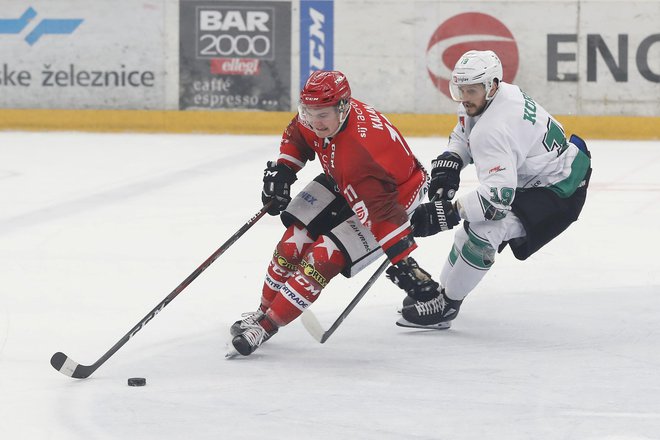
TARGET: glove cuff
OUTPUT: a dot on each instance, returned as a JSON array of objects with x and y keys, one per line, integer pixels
[
  {"x": 401, "y": 249},
  {"x": 279, "y": 172},
  {"x": 447, "y": 215}
]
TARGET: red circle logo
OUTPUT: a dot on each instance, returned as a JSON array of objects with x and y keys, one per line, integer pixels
[{"x": 469, "y": 31}]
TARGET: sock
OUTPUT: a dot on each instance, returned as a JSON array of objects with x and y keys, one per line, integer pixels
[
  {"x": 320, "y": 264},
  {"x": 287, "y": 256}
]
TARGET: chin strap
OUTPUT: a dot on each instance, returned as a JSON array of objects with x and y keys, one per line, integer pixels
[{"x": 488, "y": 100}]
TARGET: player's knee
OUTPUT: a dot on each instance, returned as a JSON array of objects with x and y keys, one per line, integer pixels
[
  {"x": 292, "y": 245},
  {"x": 478, "y": 252},
  {"x": 323, "y": 261}
]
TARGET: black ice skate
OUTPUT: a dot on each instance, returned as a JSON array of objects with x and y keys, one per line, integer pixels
[
  {"x": 251, "y": 339},
  {"x": 434, "y": 314},
  {"x": 407, "y": 301},
  {"x": 249, "y": 319}
]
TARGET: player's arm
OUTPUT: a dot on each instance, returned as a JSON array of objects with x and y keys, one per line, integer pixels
[
  {"x": 279, "y": 175},
  {"x": 294, "y": 147},
  {"x": 441, "y": 214},
  {"x": 498, "y": 179},
  {"x": 375, "y": 201},
  {"x": 388, "y": 222},
  {"x": 491, "y": 200},
  {"x": 446, "y": 168}
]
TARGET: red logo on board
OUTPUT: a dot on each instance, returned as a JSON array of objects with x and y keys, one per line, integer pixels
[{"x": 469, "y": 31}]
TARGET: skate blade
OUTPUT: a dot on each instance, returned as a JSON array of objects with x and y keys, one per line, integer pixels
[
  {"x": 402, "y": 322},
  {"x": 231, "y": 354}
]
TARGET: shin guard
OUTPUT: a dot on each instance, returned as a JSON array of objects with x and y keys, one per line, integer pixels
[
  {"x": 288, "y": 254},
  {"x": 320, "y": 264}
]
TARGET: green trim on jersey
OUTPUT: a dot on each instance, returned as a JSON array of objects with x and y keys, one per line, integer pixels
[
  {"x": 579, "y": 168},
  {"x": 453, "y": 255},
  {"x": 490, "y": 211}
]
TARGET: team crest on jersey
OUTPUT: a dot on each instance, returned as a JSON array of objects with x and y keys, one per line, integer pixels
[{"x": 461, "y": 121}]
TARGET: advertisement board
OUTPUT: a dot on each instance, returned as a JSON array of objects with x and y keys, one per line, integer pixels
[
  {"x": 595, "y": 57},
  {"x": 575, "y": 57},
  {"x": 316, "y": 37},
  {"x": 77, "y": 54},
  {"x": 235, "y": 55}
]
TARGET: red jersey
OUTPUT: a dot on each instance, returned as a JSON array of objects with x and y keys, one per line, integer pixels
[{"x": 373, "y": 168}]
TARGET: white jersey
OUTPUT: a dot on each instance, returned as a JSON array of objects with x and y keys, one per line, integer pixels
[{"x": 515, "y": 144}]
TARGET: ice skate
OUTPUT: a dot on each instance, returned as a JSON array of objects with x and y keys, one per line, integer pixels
[
  {"x": 407, "y": 301},
  {"x": 249, "y": 319},
  {"x": 231, "y": 353},
  {"x": 434, "y": 314},
  {"x": 251, "y": 338}
]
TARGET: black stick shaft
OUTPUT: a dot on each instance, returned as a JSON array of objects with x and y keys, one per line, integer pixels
[
  {"x": 360, "y": 294},
  {"x": 88, "y": 370},
  {"x": 355, "y": 300}
]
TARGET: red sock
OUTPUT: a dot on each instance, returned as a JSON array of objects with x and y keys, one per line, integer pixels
[
  {"x": 322, "y": 262},
  {"x": 286, "y": 257}
]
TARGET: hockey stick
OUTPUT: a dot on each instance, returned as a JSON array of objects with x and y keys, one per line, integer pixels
[
  {"x": 311, "y": 322},
  {"x": 313, "y": 325},
  {"x": 71, "y": 368}
]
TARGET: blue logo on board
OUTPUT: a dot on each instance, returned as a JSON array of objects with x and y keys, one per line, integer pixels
[
  {"x": 47, "y": 26},
  {"x": 316, "y": 37}
]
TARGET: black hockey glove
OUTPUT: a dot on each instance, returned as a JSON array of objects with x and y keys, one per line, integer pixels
[
  {"x": 277, "y": 186},
  {"x": 445, "y": 175},
  {"x": 433, "y": 217},
  {"x": 414, "y": 280}
]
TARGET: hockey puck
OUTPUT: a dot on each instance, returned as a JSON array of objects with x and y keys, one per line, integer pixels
[{"x": 137, "y": 382}]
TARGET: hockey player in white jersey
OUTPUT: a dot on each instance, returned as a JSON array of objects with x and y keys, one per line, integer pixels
[{"x": 532, "y": 185}]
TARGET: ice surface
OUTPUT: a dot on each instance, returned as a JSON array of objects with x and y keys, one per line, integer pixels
[{"x": 96, "y": 229}]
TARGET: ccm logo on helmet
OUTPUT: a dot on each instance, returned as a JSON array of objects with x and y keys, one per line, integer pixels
[{"x": 238, "y": 33}]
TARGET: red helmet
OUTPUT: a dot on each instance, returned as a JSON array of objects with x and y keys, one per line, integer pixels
[{"x": 325, "y": 88}]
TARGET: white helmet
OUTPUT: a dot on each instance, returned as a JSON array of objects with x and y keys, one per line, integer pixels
[{"x": 475, "y": 67}]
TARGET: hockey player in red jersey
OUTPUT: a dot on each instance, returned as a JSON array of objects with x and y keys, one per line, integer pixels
[{"x": 346, "y": 217}]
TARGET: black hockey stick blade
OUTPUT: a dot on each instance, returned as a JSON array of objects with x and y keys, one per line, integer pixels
[
  {"x": 65, "y": 365},
  {"x": 312, "y": 324},
  {"x": 71, "y": 368}
]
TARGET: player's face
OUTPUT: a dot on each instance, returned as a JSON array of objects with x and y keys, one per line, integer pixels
[
  {"x": 323, "y": 121},
  {"x": 473, "y": 97}
]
